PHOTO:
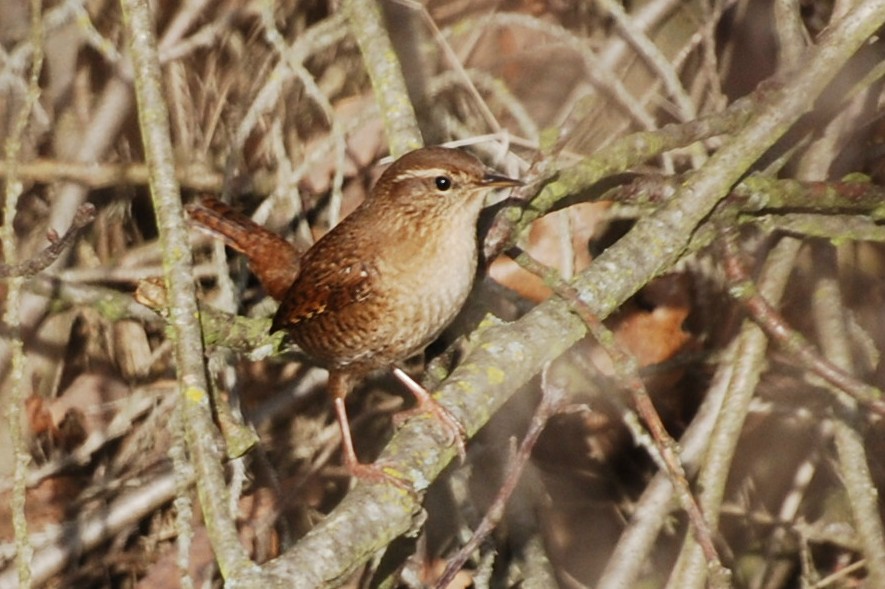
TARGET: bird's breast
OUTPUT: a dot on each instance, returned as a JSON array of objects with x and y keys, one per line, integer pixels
[
  {"x": 424, "y": 290},
  {"x": 417, "y": 285}
]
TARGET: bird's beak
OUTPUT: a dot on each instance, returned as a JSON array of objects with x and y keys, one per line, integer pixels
[{"x": 494, "y": 180}]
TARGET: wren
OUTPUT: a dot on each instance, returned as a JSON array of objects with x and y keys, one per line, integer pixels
[{"x": 383, "y": 283}]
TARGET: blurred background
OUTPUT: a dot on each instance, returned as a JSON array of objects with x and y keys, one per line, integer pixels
[{"x": 272, "y": 108}]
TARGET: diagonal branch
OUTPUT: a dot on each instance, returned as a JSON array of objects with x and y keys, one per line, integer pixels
[
  {"x": 506, "y": 356},
  {"x": 776, "y": 327}
]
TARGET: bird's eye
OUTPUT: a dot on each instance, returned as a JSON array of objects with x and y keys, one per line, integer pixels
[{"x": 443, "y": 182}]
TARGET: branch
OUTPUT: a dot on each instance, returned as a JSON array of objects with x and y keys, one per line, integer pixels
[
  {"x": 505, "y": 357},
  {"x": 831, "y": 322},
  {"x": 775, "y": 326},
  {"x": 553, "y": 401},
  {"x": 366, "y": 24},
  {"x": 12, "y": 315},
  {"x": 200, "y": 430},
  {"x": 626, "y": 371},
  {"x": 85, "y": 214},
  {"x": 372, "y": 515},
  {"x": 196, "y": 176}
]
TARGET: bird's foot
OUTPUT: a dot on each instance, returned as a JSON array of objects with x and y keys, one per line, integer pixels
[
  {"x": 455, "y": 432},
  {"x": 379, "y": 473}
]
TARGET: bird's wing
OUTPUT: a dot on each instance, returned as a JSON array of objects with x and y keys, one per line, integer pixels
[{"x": 323, "y": 289}]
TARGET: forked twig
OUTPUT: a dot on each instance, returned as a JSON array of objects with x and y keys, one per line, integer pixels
[{"x": 84, "y": 216}]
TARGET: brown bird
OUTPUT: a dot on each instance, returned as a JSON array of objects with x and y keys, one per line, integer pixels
[{"x": 384, "y": 282}]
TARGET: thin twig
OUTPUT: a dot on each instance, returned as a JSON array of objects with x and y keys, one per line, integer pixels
[
  {"x": 627, "y": 372},
  {"x": 553, "y": 397},
  {"x": 195, "y": 176},
  {"x": 742, "y": 288},
  {"x": 121, "y": 514},
  {"x": 597, "y": 71},
  {"x": 831, "y": 323},
  {"x": 84, "y": 215},
  {"x": 747, "y": 364},
  {"x": 311, "y": 90},
  {"x": 654, "y": 57}
]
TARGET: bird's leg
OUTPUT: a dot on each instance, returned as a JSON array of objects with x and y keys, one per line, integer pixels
[
  {"x": 426, "y": 403},
  {"x": 339, "y": 385},
  {"x": 346, "y": 441}
]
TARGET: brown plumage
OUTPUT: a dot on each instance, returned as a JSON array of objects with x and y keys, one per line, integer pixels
[
  {"x": 385, "y": 282},
  {"x": 271, "y": 258}
]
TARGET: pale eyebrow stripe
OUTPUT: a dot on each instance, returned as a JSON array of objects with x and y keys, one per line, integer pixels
[{"x": 423, "y": 173}]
